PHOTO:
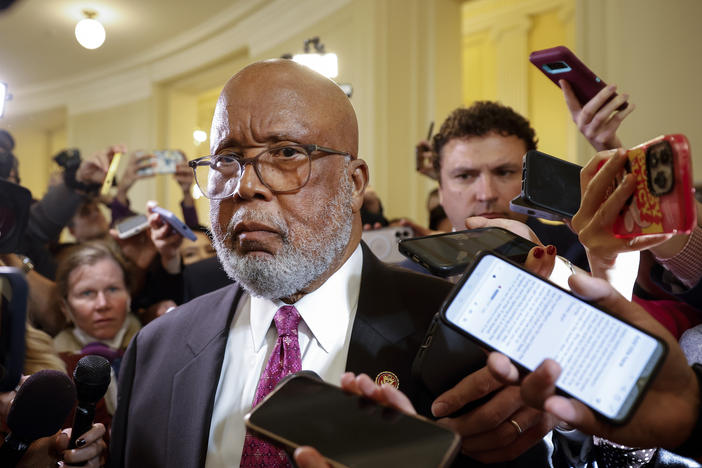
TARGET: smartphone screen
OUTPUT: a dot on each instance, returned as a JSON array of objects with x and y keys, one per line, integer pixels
[
  {"x": 349, "y": 429},
  {"x": 450, "y": 253},
  {"x": 606, "y": 362},
  {"x": 551, "y": 183}
]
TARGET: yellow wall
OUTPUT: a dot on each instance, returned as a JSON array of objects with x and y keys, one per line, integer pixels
[
  {"x": 498, "y": 37},
  {"x": 403, "y": 59},
  {"x": 32, "y": 151},
  {"x": 411, "y": 62}
]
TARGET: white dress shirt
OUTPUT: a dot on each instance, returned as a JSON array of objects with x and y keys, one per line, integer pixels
[{"x": 324, "y": 335}]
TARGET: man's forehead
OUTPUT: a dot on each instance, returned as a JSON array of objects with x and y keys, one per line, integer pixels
[{"x": 283, "y": 101}]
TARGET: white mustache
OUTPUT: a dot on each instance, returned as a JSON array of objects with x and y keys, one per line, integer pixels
[{"x": 248, "y": 215}]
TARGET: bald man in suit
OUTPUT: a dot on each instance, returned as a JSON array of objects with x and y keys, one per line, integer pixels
[{"x": 287, "y": 229}]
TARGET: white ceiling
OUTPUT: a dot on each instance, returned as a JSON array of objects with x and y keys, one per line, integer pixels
[
  {"x": 149, "y": 43},
  {"x": 37, "y": 43}
]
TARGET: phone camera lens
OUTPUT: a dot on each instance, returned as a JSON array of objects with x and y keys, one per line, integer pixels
[
  {"x": 654, "y": 160},
  {"x": 660, "y": 180},
  {"x": 665, "y": 157}
]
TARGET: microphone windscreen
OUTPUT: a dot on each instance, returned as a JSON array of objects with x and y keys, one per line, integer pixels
[
  {"x": 92, "y": 377},
  {"x": 41, "y": 405}
]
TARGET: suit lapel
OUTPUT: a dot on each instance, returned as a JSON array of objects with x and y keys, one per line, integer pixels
[
  {"x": 379, "y": 324},
  {"x": 195, "y": 385}
]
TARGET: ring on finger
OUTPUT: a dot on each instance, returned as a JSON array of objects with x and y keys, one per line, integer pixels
[{"x": 516, "y": 426}]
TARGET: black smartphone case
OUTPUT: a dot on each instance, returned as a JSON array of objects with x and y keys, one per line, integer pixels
[
  {"x": 556, "y": 190},
  {"x": 445, "y": 358}
]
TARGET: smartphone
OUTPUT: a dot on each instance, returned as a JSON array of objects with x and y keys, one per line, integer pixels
[
  {"x": 132, "y": 226},
  {"x": 559, "y": 63},
  {"x": 446, "y": 357},
  {"x": 110, "y": 176},
  {"x": 664, "y": 198},
  {"x": 347, "y": 429},
  {"x": 165, "y": 162},
  {"x": 179, "y": 226},
  {"x": 450, "y": 253},
  {"x": 383, "y": 242},
  {"x": 607, "y": 363},
  {"x": 550, "y": 187},
  {"x": 13, "y": 314}
]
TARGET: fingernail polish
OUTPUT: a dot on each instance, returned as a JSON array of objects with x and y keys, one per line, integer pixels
[
  {"x": 80, "y": 442},
  {"x": 538, "y": 252},
  {"x": 551, "y": 250}
]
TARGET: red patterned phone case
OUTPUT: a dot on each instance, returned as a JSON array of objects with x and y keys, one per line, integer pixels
[{"x": 664, "y": 198}]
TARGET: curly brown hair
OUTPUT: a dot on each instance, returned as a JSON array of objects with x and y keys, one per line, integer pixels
[{"x": 480, "y": 119}]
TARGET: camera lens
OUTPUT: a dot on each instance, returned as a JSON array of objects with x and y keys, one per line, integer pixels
[
  {"x": 665, "y": 157},
  {"x": 653, "y": 160},
  {"x": 660, "y": 180}
]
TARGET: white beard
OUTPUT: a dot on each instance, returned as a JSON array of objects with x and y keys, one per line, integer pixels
[{"x": 304, "y": 257}]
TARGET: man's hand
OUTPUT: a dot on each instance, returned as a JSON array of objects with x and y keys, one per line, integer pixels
[
  {"x": 166, "y": 240},
  {"x": 94, "y": 169},
  {"x": 598, "y": 120},
  {"x": 138, "y": 161},
  {"x": 137, "y": 249},
  {"x": 185, "y": 177},
  {"x": 499, "y": 430},
  {"x": 669, "y": 408}
]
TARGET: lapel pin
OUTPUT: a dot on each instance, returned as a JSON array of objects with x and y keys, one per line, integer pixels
[{"x": 387, "y": 377}]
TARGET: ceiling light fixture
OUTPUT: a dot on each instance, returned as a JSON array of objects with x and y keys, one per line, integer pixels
[
  {"x": 319, "y": 61},
  {"x": 199, "y": 136},
  {"x": 89, "y": 32}
]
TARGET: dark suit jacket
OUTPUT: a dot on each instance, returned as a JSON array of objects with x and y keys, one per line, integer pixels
[{"x": 170, "y": 373}]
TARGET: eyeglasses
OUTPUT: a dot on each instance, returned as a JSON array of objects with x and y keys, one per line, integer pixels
[{"x": 284, "y": 169}]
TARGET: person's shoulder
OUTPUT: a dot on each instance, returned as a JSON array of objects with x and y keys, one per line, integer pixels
[
  {"x": 389, "y": 279},
  {"x": 207, "y": 309}
]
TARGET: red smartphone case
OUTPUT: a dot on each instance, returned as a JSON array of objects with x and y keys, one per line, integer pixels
[
  {"x": 648, "y": 213},
  {"x": 566, "y": 66}
]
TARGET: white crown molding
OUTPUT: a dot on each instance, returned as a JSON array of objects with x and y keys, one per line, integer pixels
[{"x": 253, "y": 25}]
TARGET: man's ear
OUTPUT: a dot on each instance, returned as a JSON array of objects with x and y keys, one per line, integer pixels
[{"x": 358, "y": 171}]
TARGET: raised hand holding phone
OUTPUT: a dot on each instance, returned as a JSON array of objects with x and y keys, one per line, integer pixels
[
  {"x": 599, "y": 118},
  {"x": 595, "y": 107},
  {"x": 607, "y": 363},
  {"x": 668, "y": 409},
  {"x": 605, "y": 200}
]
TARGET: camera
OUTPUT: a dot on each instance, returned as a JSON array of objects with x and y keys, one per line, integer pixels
[
  {"x": 659, "y": 168},
  {"x": 68, "y": 159}
]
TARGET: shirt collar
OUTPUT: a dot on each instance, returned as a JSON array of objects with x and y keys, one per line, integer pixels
[{"x": 324, "y": 310}]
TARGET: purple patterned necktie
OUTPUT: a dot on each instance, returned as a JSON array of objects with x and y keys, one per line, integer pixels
[{"x": 285, "y": 359}]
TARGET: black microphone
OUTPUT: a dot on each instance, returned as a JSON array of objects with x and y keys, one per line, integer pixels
[
  {"x": 39, "y": 409},
  {"x": 92, "y": 377}
]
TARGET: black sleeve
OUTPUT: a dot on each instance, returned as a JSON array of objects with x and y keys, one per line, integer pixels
[{"x": 118, "y": 435}]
